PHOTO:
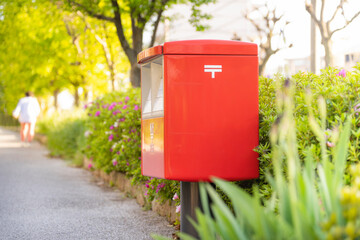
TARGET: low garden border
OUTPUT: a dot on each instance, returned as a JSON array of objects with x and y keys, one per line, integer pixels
[{"x": 165, "y": 208}]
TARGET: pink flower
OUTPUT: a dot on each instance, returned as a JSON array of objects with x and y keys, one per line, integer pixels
[
  {"x": 90, "y": 165},
  {"x": 330, "y": 144},
  {"x": 175, "y": 197},
  {"x": 127, "y": 99},
  {"x": 111, "y": 127},
  {"x": 111, "y": 137},
  {"x": 124, "y": 107},
  {"x": 178, "y": 209},
  {"x": 97, "y": 113},
  {"x": 147, "y": 185},
  {"x": 85, "y": 106},
  {"x": 114, "y": 162},
  {"x": 357, "y": 109},
  {"x": 341, "y": 73},
  {"x": 136, "y": 107}
]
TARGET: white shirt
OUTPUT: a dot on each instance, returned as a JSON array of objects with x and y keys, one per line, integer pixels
[{"x": 27, "y": 109}]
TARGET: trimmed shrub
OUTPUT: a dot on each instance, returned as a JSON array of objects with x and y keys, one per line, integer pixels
[
  {"x": 114, "y": 143},
  {"x": 65, "y": 135}
]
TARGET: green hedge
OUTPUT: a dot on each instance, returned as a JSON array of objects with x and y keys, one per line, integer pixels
[
  {"x": 113, "y": 139},
  {"x": 341, "y": 96},
  {"x": 65, "y": 135},
  {"x": 7, "y": 120}
]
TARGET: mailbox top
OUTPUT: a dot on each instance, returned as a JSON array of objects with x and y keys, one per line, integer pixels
[{"x": 199, "y": 47}]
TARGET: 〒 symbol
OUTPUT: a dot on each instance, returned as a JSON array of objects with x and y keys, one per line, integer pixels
[{"x": 213, "y": 69}]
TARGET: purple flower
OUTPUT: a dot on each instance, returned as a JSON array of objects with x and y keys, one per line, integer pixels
[
  {"x": 111, "y": 149},
  {"x": 124, "y": 107},
  {"x": 111, "y": 137},
  {"x": 341, "y": 73},
  {"x": 111, "y": 127},
  {"x": 357, "y": 109},
  {"x": 112, "y": 106},
  {"x": 160, "y": 186},
  {"x": 97, "y": 113},
  {"x": 147, "y": 185},
  {"x": 136, "y": 107},
  {"x": 122, "y": 119},
  {"x": 118, "y": 152},
  {"x": 114, "y": 162},
  {"x": 175, "y": 197},
  {"x": 116, "y": 112}
]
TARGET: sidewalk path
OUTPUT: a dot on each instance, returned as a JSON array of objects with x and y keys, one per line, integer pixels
[{"x": 42, "y": 198}]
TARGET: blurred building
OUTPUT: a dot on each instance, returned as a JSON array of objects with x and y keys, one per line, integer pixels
[{"x": 227, "y": 20}]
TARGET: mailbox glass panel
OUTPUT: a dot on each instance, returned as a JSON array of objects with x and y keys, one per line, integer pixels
[
  {"x": 153, "y": 118},
  {"x": 153, "y": 89}
]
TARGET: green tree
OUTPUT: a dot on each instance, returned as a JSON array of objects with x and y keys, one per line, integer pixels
[
  {"x": 55, "y": 52},
  {"x": 131, "y": 18}
]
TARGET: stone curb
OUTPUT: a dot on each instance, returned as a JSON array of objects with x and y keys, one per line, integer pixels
[{"x": 166, "y": 209}]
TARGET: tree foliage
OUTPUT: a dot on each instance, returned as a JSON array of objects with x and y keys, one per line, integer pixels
[
  {"x": 131, "y": 18},
  {"x": 46, "y": 50}
]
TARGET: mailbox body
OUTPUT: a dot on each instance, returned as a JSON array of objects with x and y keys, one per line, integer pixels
[{"x": 200, "y": 110}]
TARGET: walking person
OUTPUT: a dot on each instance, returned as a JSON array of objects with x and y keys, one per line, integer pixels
[{"x": 27, "y": 110}]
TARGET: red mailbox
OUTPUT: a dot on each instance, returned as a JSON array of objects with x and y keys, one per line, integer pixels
[{"x": 200, "y": 110}]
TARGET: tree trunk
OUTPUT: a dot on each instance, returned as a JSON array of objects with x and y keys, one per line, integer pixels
[
  {"x": 76, "y": 97},
  {"x": 329, "y": 60},
  {"x": 56, "y": 93},
  {"x": 264, "y": 62},
  {"x": 135, "y": 75},
  {"x": 86, "y": 95}
]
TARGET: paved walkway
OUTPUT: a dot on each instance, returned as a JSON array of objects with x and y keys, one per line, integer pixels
[{"x": 43, "y": 198}]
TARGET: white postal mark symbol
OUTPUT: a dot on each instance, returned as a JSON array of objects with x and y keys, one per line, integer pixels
[{"x": 213, "y": 69}]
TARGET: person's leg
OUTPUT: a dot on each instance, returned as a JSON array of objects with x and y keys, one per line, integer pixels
[
  {"x": 31, "y": 132},
  {"x": 23, "y": 131}
]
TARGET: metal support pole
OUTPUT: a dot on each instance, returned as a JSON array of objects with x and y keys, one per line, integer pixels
[{"x": 190, "y": 200}]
